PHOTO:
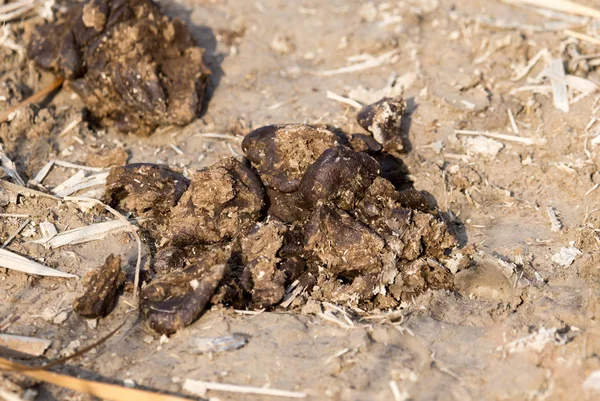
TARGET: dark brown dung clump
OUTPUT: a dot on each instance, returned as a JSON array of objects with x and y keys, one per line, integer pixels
[
  {"x": 134, "y": 68},
  {"x": 306, "y": 211},
  {"x": 100, "y": 289}
]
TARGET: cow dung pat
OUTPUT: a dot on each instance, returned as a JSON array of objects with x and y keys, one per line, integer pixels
[
  {"x": 100, "y": 289},
  {"x": 383, "y": 120},
  {"x": 134, "y": 68},
  {"x": 146, "y": 189},
  {"x": 282, "y": 153},
  {"x": 223, "y": 201}
]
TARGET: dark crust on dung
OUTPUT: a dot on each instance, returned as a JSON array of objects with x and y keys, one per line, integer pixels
[
  {"x": 282, "y": 153},
  {"x": 339, "y": 175},
  {"x": 101, "y": 286},
  {"x": 134, "y": 68},
  {"x": 222, "y": 202},
  {"x": 176, "y": 300}
]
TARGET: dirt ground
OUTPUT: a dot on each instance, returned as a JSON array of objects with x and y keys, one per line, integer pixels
[{"x": 520, "y": 325}]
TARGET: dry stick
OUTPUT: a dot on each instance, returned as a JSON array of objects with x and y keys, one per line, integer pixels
[
  {"x": 36, "y": 97},
  {"x": 133, "y": 230},
  {"x": 76, "y": 354},
  {"x": 213, "y": 135},
  {"x": 365, "y": 65},
  {"x": 566, "y": 6},
  {"x": 8, "y": 16},
  {"x": 504, "y": 137},
  {"x": 15, "y": 215},
  {"x": 6, "y": 8},
  {"x": 24, "y": 190},
  {"x": 105, "y": 391},
  {"x": 346, "y": 100},
  {"x": 197, "y": 387},
  {"x": 13, "y": 235},
  {"x": 582, "y": 36}
]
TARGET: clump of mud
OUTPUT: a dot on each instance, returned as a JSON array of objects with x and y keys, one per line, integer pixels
[
  {"x": 134, "y": 68},
  {"x": 304, "y": 210}
]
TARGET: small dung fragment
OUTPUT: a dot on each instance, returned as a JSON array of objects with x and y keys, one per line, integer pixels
[
  {"x": 172, "y": 303},
  {"x": 383, "y": 120},
  {"x": 222, "y": 202},
  {"x": 282, "y": 153},
  {"x": 134, "y": 68},
  {"x": 262, "y": 277},
  {"x": 101, "y": 286},
  {"x": 146, "y": 189}
]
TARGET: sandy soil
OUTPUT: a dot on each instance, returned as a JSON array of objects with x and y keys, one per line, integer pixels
[{"x": 519, "y": 327}]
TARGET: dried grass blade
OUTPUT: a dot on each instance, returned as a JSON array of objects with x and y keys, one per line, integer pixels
[
  {"x": 79, "y": 182},
  {"x": 365, "y": 65},
  {"x": 13, "y": 261},
  {"x": 9, "y": 167},
  {"x": 92, "y": 232},
  {"x": 198, "y": 387},
  {"x": 111, "y": 392},
  {"x": 36, "y": 97}
]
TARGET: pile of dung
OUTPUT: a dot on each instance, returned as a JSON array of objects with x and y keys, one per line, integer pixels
[
  {"x": 134, "y": 68},
  {"x": 303, "y": 210}
]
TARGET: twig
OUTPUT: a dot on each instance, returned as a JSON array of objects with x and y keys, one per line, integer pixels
[
  {"x": 351, "y": 102},
  {"x": 24, "y": 190},
  {"x": 504, "y": 137},
  {"x": 365, "y": 65},
  {"x": 11, "y": 11},
  {"x": 13, "y": 235},
  {"x": 79, "y": 166},
  {"x": 513, "y": 123},
  {"x": 16, "y": 215},
  {"x": 70, "y": 126},
  {"x": 213, "y": 135},
  {"x": 101, "y": 390},
  {"x": 532, "y": 62},
  {"x": 132, "y": 228},
  {"x": 592, "y": 189},
  {"x": 200, "y": 387},
  {"x": 39, "y": 177},
  {"x": 398, "y": 395},
  {"x": 177, "y": 149},
  {"x": 36, "y": 97},
  {"x": 582, "y": 36},
  {"x": 566, "y": 6}
]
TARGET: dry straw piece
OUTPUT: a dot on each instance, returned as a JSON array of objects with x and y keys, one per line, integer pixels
[
  {"x": 13, "y": 261},
  {"x": 111, "y": 392},
  {"x": 565, "y": 6}
]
